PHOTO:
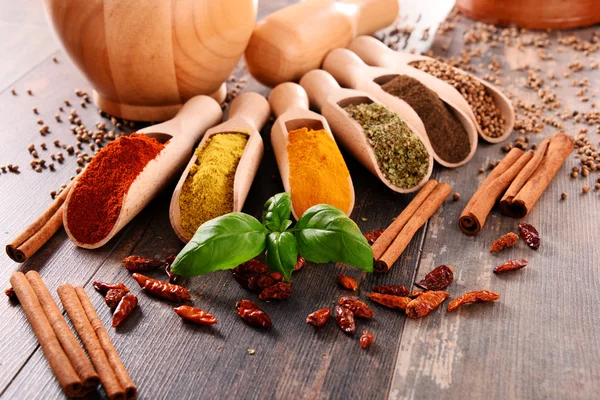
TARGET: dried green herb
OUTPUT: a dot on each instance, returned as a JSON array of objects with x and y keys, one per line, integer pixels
[{"x": 401, "y": 156}]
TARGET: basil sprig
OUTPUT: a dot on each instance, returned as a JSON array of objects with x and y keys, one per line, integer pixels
[{"x": 323, "y": 234}]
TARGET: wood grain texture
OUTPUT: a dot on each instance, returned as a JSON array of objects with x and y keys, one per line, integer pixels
[{"x": 541, "y": 339}]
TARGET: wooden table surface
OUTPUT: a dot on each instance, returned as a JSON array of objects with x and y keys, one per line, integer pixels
[{"x": 541, "y": 340}]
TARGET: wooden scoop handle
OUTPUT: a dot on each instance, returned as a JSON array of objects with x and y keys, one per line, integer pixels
[
  {"x": 252, "y": 107},
  {"x": 197, "y": 115},
  {"x": 287, "y": 96},
  {"x": 373, "y": 52},
  {"x": 318, "y": 85},
  {"x": 345, "y": 66}
]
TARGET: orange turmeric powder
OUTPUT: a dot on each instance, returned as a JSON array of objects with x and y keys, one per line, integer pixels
[{"x": 318, "y": 173}]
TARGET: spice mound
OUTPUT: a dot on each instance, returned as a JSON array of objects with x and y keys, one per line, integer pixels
[
  {"x": 402, "y": 157},
  {"x": 481, "y": 101},
  {"x": 207, "y": 192},
  {"x": 97, "y": 198},
  {"x": 448, "y": 137},
  {"x": 318, "y": 173}
]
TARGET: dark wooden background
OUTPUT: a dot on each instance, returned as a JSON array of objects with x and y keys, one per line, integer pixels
[{"x": 541, "y": 340}]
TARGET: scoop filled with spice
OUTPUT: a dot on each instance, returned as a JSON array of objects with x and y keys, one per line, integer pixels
[
  {"x": 379, "y": 138},
  {"x": 129, "y": 172},
  {"x": 310, "y": 163},
  {"x": 492, "y": 111},
  {"x": 451, "y": 133},
  {"x": 218, "y": 177}
]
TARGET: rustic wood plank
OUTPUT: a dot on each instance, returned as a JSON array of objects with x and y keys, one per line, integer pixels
[
  {"x": 541, "y": 339},
  {"x": 166, "y": 357},
  {"x": 27, "y": 40}
]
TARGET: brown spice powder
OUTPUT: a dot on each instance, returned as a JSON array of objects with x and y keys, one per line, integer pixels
[{"x": 448, "y": 137}]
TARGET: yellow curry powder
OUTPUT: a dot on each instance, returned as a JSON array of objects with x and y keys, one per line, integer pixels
[
  {"x": 318, "y": 173},
  {"x": 207, "y": 192}
]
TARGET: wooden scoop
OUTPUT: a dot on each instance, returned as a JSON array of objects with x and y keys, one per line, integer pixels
[
  {"x": 292, "y": 41},
  {"x": 290, "y": 105},
  {"x": 326, "y": 95},
  {"x": 181, "y": 132},
  {"x": 373, "y": 52},
  {"x": 350, "y": 71},
  {"x": 247, "y": 114}
]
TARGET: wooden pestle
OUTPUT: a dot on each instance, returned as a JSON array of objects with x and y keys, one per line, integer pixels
[{"x": 294, "y": 40}]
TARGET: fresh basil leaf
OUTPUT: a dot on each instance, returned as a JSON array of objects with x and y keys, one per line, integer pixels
[
  {"x": 325, "y": 234},
  {"x": 282, "y": 253},
  {"x": 277, "y": 211},
  {"x": 221, "y": 243}
]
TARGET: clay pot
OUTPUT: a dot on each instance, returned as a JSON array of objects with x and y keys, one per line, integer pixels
[
  {"x": 533, "y": 14},
  {"x": 146, "y": 58}
]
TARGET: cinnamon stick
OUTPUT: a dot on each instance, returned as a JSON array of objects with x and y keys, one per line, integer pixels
[
  {"x": 107, "y": 345},
  {"x": 524, "y": 193},
  {"x": 77, "y": 314},
  {"x": 483, "y": 200},
  {"x": 427, "y": 208},
  {"x": 40, "y": 231},
  {"x": 524, "y": 175},
  {"x": 60, "y": 364},
  {"x": 70, "y": 345},
  {"x": 392, "y": 231}
]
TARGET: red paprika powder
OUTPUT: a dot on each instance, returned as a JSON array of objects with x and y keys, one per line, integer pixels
[{"x": 98, "y": 194}]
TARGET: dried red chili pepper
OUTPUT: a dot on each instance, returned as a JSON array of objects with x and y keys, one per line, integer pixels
[
  {"x": 252, "y": 265},
  {"x": 300, "y": 263},
  {"x": 530, "y": 235},
  {"x": 345, "y": 319},
  {"x": 279, "y": 291},
  {"x": 504, "y": 242},
  {"x": 195, "y": 315},
  {"x": 163, "y": 290},
  {"x": 11, "y": 294},
  {"x": 252, "y": 314},
  {"x": 366, "y": 339},
  {"x": 127, "y": 304},
  {"x": 113, "y": 297},
  {"x": 247, "y": 281},
  {"x": 390, "y": 301},
  {"x": 437, "y": 279},
  {"x": 267, "y": 280},
  {"x": 395, "y": 290},
  {"x": 478, "y": 296},
  {"x": 360, "y": 309},
  {"x": 173, "y": 278},
  {"x": 415, "y": 293},
  {"x": 249, "y": 274},
  {"x": 104, "y": 287},
  {"x": 511, "y": 265},
  {"x": 319, "y": 317},
  {"x": 141, "y": 264},
  {"x": 373, "y": 235},
  {"x": 425, "y": 303},
  {"x": 347, "y": 282}
]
